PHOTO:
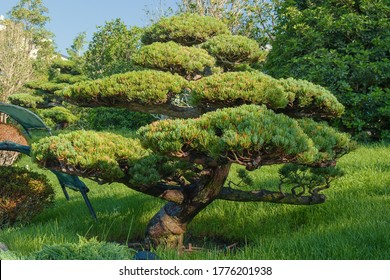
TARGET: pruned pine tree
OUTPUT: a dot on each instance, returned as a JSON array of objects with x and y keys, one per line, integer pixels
[{"x": 218, "y": 118}]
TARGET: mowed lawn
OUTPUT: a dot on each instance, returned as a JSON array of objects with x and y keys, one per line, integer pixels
[{"x": 354, "y": 223}]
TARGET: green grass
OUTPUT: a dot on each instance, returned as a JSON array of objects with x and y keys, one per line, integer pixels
[{"x": 354, "y": 223}]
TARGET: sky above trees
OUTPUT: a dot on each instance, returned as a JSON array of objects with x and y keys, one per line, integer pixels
[{"x": 71, "y": 17}]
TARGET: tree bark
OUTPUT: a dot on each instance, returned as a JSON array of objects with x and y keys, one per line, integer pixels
[
  {"x": 168, "y": 226},
  {"x": 269, "y": 196}
]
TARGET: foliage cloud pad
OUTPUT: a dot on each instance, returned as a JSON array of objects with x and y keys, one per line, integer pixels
[
  {"x": 295, "y": 97},
  {"x": 240, "y": 135}
]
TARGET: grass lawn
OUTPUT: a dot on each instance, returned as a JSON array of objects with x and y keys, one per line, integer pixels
[{"x": 354, "y": 223}]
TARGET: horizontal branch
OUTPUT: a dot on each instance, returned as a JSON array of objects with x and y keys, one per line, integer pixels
[
  {"x": 269, "y": 196},
  {"x": 166, "y": 109},
  {"x": 163, "y": 191}
]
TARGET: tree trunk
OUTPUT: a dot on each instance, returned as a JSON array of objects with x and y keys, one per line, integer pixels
[{"x": 167, "y": 227}]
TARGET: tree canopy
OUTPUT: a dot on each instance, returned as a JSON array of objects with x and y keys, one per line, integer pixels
[
  {"x": 111, "y": 48},
  {"x": 217, "y": 118},
  {"x": 343, "y": 46}
]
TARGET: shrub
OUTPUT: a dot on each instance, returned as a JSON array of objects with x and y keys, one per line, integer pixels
[
  {"x": 172, "y": 57},
  {"x": 9, "y": 132},
  {"x": 186, "y": 29},
  {"x": 23, "y": 195},
  {"x": 91, "y": 249}
]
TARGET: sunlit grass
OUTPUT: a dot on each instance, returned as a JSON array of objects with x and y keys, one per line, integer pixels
[{"x": 354, "y": 223}]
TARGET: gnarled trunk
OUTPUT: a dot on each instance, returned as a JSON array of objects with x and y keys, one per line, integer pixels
[{"x": 167, "y": 227}]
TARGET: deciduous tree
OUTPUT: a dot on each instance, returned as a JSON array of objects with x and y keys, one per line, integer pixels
[
  {"x": 33, "y": 15},
  {"x": 344, "y": 46},
  {"x": 111, "y": 49},
  {"x": 15, "y": 61}
]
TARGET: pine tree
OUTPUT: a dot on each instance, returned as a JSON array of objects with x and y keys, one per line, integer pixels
[{"x": 219, "y": 116}]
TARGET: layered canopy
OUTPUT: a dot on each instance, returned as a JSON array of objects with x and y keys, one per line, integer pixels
[
  {"x": 217, "y": 118},
  {"x": 249, "y": 135},
  {"x": 156, "y": 89}
]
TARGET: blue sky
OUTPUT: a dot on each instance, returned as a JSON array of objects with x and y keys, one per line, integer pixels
[{"x": 70, "y": 17}]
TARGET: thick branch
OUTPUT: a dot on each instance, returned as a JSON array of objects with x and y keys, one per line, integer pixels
[
  {"x": 269, "y": 196},
  {"x": 166, "y": 109},
  {"x": 163, "y": 191}
]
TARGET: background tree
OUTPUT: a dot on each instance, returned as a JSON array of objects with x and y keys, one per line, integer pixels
[
  {"x": 186, "y": 161},
  {"x": 15, "y": 62},
  {"x": 253, "y": 18},
  {"x": 75, "y": 51},
  {"x": 32, "y": 14},
  {"x": 111, "y": 49},
  {"x": 344, "y": 46}
]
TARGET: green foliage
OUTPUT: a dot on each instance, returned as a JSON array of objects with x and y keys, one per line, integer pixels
[
  {"x": 95, "y": 154},
  {"x": 7, "y": 255},
  {"x": 344, "y": 47},
  {"x": 58, "y": 115},
  {"x": 75, "y": 50},
  {"x": 155, "y": 168},
  {"x": 251, "y": 18},
  {"x": 246, "y": 87},
  {"x": 245, "y": 177},
  {"x": 230, "y": 50},
  {"x": 32, "y": 14},
  {"x": 250, "y": 135},
  {"x": 85, "y": 249},
  {"x": 147, "y": 87},
  {"x": 61, "y": 74},
  {"x": 257, "y": 88},
  {"x": 308, "y": 95},
  {"x": 49, "y": 87},
  {"x": 174, "y": 58},
  {"x": 244, "y": 133},
  {"x": 64, "y": 67},
  {"x": 102, "y": 118},
  {"x": 111, "y": 49},
  {"x": 302, "y": 179},
  {"x": 25, "y": 100},
  {"x": 69, "y": 78},
  {"x": 23, "y": 195},
  {"x": 186, "y": 29},
  {"x": 47, "y": 93},
  {"x": 330, "y": 143}
]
